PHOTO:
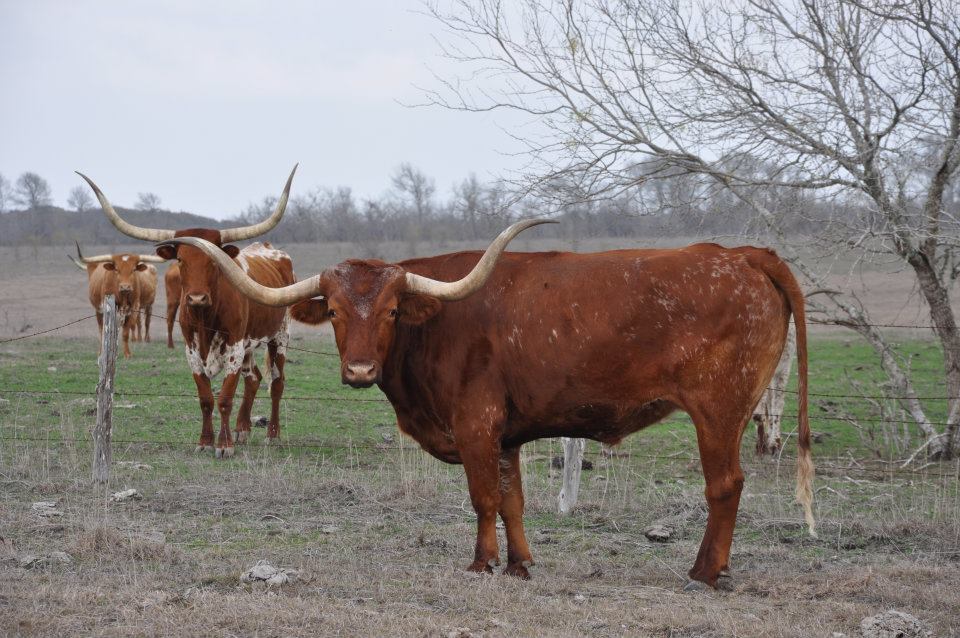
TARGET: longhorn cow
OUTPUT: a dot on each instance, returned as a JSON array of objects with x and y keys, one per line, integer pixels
[
  {"x": 479, "y": 354},
  {"x": 131, "y": 279},
  {"x": 220, "y": 327}
]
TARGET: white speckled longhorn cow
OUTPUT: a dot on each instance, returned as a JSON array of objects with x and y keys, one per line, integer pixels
[{"x": 221, "y": 327}]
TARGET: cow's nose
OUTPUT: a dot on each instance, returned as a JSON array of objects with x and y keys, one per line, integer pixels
[
  {"x": 201, "y": 300},
  {"x": 126, "y": 287},
  {"x": 360, "y": 373}
]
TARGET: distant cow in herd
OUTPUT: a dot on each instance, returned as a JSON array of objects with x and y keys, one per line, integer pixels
[
  {"x": 220, "y": 326},
  {"x": 481, "y": 353},
  {"x": 132, "y": 280}
]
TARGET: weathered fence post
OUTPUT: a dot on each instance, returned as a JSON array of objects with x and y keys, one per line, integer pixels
[
  {"x": 108, "y": 359},
  {"x": 572, "y": 465}
]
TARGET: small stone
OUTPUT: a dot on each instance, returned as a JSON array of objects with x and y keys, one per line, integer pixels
[
  {"x": 579, "y": 598},
  {"x": 266, "y": 573},
  {"x": 46, "y": 509},
  {"x": 387, "y": 437},
  {"x": 893, "y": 624},
  {"x": 126, "y": 495},
  {"x": 658, "y": 533},
  {"x": 51, "y": 368}
]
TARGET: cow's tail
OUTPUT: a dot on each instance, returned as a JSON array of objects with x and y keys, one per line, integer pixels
[{"x": 783, "y": 279}]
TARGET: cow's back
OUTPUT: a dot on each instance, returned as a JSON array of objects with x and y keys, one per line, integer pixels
[
  {"x": 269, "y": 267},
  {"x": 578, "y": 340}
]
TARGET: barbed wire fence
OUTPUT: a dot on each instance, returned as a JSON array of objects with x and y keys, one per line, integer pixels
[{"x": 870, "y": 467}]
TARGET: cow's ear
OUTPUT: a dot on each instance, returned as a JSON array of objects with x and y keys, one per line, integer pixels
[
  {"x": 167, "y": 252},
  {"x": 415, "y": 309},
  {"x": 310, "y": 311},
  {"x": 231, "y": 250},
  {"x": 141, "y": 266},
  {"x": 109, "y": 265}
]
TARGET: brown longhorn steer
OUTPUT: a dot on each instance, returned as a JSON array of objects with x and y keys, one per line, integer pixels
[
  {"x": 560, "y": 344},
  {"x": 171, "y": 284},
  {"x": 124, "y": 276},
  {"x": 148, "y": 293},
  {"x": 220, "y": 326}
]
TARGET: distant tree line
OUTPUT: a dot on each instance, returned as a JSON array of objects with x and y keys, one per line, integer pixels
[{"x": 669, "y": 203}]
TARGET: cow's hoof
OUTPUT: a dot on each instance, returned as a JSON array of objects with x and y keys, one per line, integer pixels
[
  {"x": 203, "y": 448},
  {"x": 483, "y": 567},
  {"x": 695, "y": 586},
  {"x": 147, "y": 339},
  {"x": 518, "y": 570},
  {"x": 223, "y": 452}
]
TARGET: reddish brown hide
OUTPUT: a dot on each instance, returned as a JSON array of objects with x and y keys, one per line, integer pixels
[
  {"x": 171, "y": 284},
  {"x": 148, "y": 293},
  {"x": 559, "y": 344},
  {"x": 220, "y": 326},
  {"x": 128, "y": 279}
]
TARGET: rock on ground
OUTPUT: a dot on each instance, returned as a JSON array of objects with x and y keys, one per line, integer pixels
[
  {"x": 893, "y": 624},
  {"x": 264, "y": 572},
  {"x": 126, "y": 495}
]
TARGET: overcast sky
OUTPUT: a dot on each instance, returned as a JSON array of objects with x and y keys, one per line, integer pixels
[{"x": 209, "y": 104}]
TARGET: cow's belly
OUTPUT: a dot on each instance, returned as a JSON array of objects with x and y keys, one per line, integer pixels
[
  {"x": 229, "y": 357},
  {"x": 605, "y": 422}
]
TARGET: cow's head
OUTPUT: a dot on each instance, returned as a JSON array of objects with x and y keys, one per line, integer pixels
[
  {"x": 120, "y": 273},
  {"x": 364, "y": 300},
  {"x": 199, "y": 275}
]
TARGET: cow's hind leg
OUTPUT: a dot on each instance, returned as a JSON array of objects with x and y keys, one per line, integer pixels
[
  {"x": 171, "y": 316},
  {"x": 519, "y": 557},
  {"x": 718, "y": 438},
  {"x": 251, "y": 383},
  {"x": 276, "y": 360},
  {"x": 147, "y": 311}
]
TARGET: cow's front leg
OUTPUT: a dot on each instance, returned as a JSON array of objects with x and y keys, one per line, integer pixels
[
  {"x": 251, "y": 383},
  {"x": 205, "y": 394},
  {"x": 519, "y": 557},
  {"x": 147, "y": 313},
  {"x": 477, "y": 433},
  {"x": 127, "y": 329},
  {"x": 224, "y": 447}
]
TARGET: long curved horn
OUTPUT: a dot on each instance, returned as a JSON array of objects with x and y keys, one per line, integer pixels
[
  {"x": 96, "y": 259},
  {"x": 151, "y": 259},
  {"x": 259, "y": 293},
  {"x": 77, "y": 263},
  {"x": 148, "y": 234},
  {"x": 455, "y": 290},
  {"x": 249, "y": 232}
]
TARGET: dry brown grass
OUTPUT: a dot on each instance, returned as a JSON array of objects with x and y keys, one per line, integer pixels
[{"x": 381, "y": 539}]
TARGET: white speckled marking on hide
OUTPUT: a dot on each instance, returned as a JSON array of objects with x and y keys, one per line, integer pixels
[{"x": 228, "y": 358}]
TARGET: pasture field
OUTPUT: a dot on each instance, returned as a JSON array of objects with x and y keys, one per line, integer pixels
[{"x": 381, "y": 532}]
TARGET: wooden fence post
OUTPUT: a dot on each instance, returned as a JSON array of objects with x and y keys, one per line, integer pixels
[
  {"x": 572, "y": 466},
  {"x": 102, "y": 431}
]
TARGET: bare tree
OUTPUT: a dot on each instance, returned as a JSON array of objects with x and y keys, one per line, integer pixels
[
  {"x": 414, "y": 185},
  {"x": 32, "y": 191},
  {"x": 851, "y": 102},
  {"x": 147, "y": 202},
  {"x": 5, "y": 194},
  {"x": 80, "y": 199}
]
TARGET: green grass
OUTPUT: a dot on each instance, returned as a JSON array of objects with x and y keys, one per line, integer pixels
[{"x": 319, "y": 411}]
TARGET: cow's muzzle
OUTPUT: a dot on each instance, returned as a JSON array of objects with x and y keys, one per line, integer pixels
[
  {"x": 198, "y": 300},
  {"x": 360, "y": 374}
]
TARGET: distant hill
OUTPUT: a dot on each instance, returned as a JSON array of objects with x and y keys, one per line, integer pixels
[{"x": 55, "y": 226}]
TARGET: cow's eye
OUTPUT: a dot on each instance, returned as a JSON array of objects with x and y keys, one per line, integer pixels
[
  {"x": 394, "y": 313},
  {"x": 331, "y": 313}
]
